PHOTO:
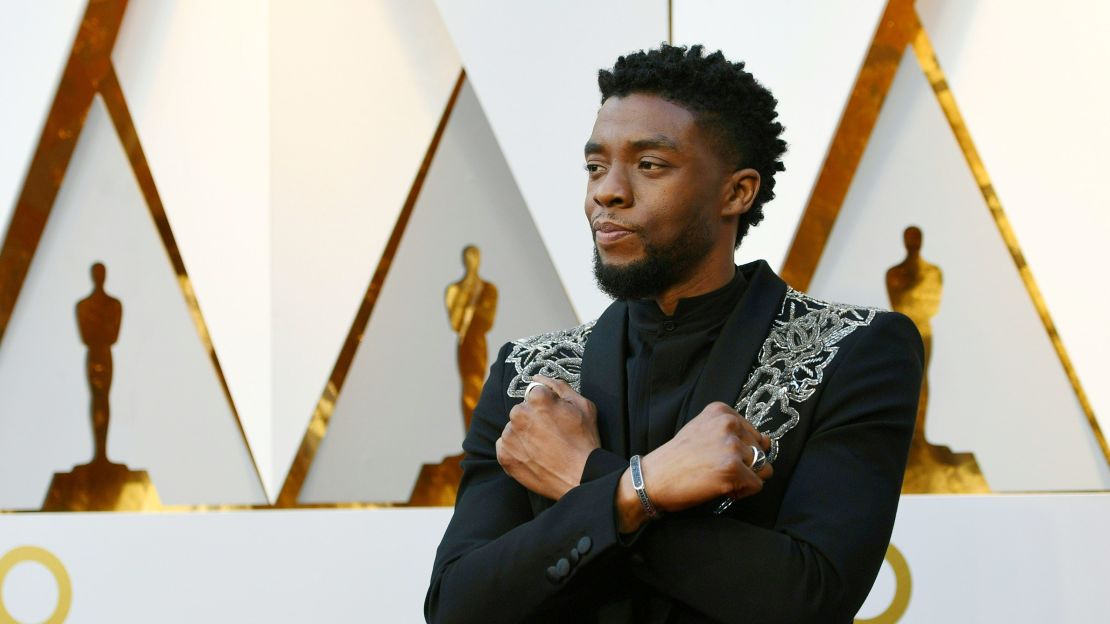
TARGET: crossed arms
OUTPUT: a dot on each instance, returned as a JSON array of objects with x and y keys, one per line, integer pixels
[{"x": 499, "y": 562}]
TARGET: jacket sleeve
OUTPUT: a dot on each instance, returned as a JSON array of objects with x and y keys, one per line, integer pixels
[
  {"x": 818, "y": 562},
  {"x": 494, "y": 553}
]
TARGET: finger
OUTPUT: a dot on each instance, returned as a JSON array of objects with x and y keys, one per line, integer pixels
[
  {"x": 747, "y": 483},
  {"x": 539, "y": 390},
  {"x": 748, "y": 429},
  {"x": 764, "y": 472},
  {"x": 765, "y": 442},
  {"x": 567, "y": 393}
]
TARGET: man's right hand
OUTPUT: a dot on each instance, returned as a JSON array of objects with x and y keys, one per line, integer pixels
[{"x": 709, "y": 458}]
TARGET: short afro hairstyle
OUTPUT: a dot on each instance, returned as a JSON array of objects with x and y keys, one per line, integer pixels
[{"x": 726, "y": 98}]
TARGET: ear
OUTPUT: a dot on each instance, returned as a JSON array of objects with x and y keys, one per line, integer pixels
[{"x": 743, "y": 185}]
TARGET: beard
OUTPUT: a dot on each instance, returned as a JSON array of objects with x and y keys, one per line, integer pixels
[{"x": 664, "y": 264}]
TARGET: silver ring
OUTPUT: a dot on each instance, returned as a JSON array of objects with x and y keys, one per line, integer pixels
[
  {"x": 532, "y": 385},
  {"x": 759, "y": 459}
]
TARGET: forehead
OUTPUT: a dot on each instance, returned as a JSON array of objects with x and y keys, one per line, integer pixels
[{"x": 639, "y": 115}]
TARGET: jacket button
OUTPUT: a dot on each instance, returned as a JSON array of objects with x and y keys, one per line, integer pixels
[
  {"x": 573, "y": 555},
  {"x": 638, "y": 559},
  {"x": 562, "y": 567},
  {"x": 584, "y": 544},
  {"x": 553, "y": 575}
]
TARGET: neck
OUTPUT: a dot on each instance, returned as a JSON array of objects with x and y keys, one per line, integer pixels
[{"x": 709, "y": 276}]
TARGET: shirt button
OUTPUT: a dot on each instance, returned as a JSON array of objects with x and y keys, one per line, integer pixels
[
  {"x": 562, "y": 567},
  {"x": 584, "y": 544},
  {"x": 638, "y": 559},
  {"x": 668, "y": 325}
]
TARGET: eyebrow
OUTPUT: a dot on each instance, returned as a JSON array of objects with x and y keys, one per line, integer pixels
[{"x": 659, "y": 141}]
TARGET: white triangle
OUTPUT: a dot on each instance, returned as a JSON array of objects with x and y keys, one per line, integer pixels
[
  {"x": 996, "y": 386},
  {"x": 169, "y": 414},
  {"x": 357, "y": 89},
  {"x": 195, "y": 78},
  {"x": 534, "y": 67},
  {"x": 400, "y": 405},
  {"x": 809, "y": 55},
  {"x": 1044, "y": 144}
]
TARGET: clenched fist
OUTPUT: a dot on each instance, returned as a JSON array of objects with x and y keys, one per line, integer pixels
[
  {"x": 545, "y": 444},
  {"x": 709, "y": 458}
]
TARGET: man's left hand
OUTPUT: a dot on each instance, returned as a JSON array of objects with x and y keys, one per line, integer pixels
[{"x": 548, "y": 437}]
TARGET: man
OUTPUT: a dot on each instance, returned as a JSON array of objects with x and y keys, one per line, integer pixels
[{"x": 716, "y": 446}]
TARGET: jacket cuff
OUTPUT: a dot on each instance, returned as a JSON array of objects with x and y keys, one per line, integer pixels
[{"x": 602, "y": 462}]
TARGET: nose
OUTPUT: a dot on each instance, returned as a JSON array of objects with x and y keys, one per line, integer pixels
[{"x": 612, "y": 191}]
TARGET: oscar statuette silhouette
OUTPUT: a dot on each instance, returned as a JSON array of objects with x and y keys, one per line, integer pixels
[{"x": 100, "y": 485}]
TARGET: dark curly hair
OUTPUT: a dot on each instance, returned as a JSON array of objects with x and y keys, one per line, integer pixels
[{"x": 727, "y": 99}]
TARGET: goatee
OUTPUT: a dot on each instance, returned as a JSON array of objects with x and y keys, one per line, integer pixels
[{"x": 663, "y": 265}]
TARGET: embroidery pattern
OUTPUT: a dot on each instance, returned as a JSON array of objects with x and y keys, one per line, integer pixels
[
  {"x": 557, "y": 355},
  {"x": 791, "y": 364},
  {"x": 793, "y": 358}
]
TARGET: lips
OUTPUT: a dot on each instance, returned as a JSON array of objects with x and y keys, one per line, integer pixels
[{"x": 608, "y": 233}]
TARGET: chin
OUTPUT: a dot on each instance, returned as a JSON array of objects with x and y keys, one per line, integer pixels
[{"x": 614, "y": 258}]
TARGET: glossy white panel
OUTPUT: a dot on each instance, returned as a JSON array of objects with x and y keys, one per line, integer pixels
[
  {"x": 534, "y": 66},
  {"x": 809, "y": 55},
  {"x": 35, "y": 41},
  {"x": 1029, "y": 80},
  {"x": 356, "y": 91},
  {"x": 168, "y": 412},
  {"x": 996, "y": 387},
  {"x": 1019, "y": 559},
  {"x": 400, "y": 407},
  {"x": 196, "y": 81}
]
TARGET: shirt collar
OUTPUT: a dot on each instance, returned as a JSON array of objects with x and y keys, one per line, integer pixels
[{"x": 692, "y": 314}]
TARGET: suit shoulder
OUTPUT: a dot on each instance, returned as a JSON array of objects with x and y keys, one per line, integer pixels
[
  {"x": 797, "y": 303},
  {"x": 556, "y": 354},
  {"x": 885, "y": 325}
]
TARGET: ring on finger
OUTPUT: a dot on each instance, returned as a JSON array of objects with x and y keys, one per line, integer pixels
[
  {"x": 759, "y": 459},
  {"x": 532, "y": 385}
]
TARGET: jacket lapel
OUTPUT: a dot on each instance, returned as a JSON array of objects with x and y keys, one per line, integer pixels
[
  {"x": 603, "y": 376},
  {"x": 732, "y": 357}
]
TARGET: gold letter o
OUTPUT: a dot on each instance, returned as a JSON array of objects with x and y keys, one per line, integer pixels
[
  {"x": 47, "y": 560},
  {"x": 902, "y": 586}
]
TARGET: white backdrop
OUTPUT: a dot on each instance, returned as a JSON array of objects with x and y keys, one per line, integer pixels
[
  {"x": 283, "y": 138},
  {"x": 1019, "y": 559}
]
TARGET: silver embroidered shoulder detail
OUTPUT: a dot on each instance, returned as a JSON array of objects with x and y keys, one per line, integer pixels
[
  {"x": 793, "y": 358},
  {"x": 557, "y": 355}
]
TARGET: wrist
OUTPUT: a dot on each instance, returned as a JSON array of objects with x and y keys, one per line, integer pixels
[
  {"x": 640, "y": 486},
  {"x": 630, "y": 512}
]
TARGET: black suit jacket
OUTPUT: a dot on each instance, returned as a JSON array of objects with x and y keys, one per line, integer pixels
[{"x": 836, "y": 387}]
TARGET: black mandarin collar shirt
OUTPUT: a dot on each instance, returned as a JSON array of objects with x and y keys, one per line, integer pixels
[{"x": 666, "y": 355}]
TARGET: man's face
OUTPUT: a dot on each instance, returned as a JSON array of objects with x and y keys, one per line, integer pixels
[{"x": 656, "y": 190}]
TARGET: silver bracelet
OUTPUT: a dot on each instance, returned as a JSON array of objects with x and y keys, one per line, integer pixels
[{"x": 638, "y": 485}]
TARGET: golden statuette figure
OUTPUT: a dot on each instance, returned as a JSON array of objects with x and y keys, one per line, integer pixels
[
  {"x": 471, "y": 307},
  {"x": 915, "y": 287},
  {"x": 100, "y": 485}
]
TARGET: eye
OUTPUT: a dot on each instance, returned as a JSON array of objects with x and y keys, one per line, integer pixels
[
  {"x": 593, "y": 168},
  {"x": 648, "y": 165}
]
